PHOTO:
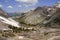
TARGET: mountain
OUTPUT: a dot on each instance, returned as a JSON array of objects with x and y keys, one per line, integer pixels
[
  {"x": 13, "y": 14},
  {"x": 34, "y": 17},
  {"x": 3, "y": 25},
  {"x": 38, "y": 15},
  {"x": 5, "y": 21},
  {"x": 3, "y": 13}
]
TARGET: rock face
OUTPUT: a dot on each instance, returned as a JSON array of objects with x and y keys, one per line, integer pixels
[
  {"x": 2, "y": 13},
  {"x": 34, "y": 17}
]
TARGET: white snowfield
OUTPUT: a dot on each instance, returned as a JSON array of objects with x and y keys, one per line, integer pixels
[{"x": 9, "y": 21}]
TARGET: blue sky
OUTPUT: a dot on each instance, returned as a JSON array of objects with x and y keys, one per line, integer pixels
[{"x": 24, "y": 5}]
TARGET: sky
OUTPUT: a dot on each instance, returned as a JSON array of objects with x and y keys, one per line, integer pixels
[{"x": 24, "y": 5}]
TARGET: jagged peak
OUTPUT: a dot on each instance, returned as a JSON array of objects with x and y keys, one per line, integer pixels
[
  {"x": 57, "y": 4},
  {"x": 38, "y": 8}
]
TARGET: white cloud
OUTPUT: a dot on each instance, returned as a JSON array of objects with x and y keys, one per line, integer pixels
[
  {"x": 1, "y": 5},
  {"x": 19, "y": 5},
  {"x": 9, "y": 6},
  {"x": 28, "y": 1},
  {"x": 26, "y": 5}
]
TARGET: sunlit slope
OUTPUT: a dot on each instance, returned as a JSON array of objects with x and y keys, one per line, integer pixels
[{"x": 34, "y": 17}]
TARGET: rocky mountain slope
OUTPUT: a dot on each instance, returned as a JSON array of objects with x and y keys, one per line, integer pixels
[
  {"x": 42, "y": 15},
  {"x": 45, "y": 15},
  {"x": 34, "y": 17},
  {"x": 3, "y": 25},
  {"x": 50, "y": 16},
  {"x": 3, "y": 13}
]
